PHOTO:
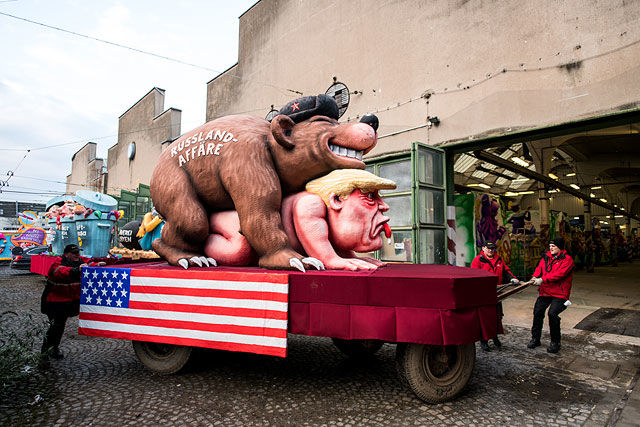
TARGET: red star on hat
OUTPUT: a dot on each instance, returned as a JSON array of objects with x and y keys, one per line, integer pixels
[{"x": 295, "y": 106}]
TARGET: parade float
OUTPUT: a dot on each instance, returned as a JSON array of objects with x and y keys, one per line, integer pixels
[
  {"x": 87, "y": 219},
  {"x": 262, "y": 236},
  {"x": 29, "y": 234}
]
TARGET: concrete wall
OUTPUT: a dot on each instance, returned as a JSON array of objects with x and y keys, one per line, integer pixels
[
  {"x": 489, "y": 66},
  {"x": 86, "y": 171},
  {"x": 151, "y": 128}
]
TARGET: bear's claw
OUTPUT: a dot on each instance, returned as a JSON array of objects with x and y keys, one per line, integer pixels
[
  {"x": 296, "y": 263},
  {"x": 313, "y": 262},
  {"x": 183, "y": 263},
  {"x": 316, "y": 263}
]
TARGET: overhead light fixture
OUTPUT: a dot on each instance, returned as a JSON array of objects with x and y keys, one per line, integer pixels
[
  {"x": 604, "y": 222},
  {"x": 479, "y": 185},
  {"x": 552, "y": 175},
  {"x": 592, "y": 195},
  {"x": 603, "y": 200},
  {"x": 571, "y": 174},
  {"x": 619, "y": 216},
  {"x": 526, "y": 192},
  {"x": 597, "y": 187},
  {"x": 576, "y": 217},
  {"x": 621, "y": 208},
  {"x": 520, "y": 180},
  {"x": 555, "y": 190},
  {"x": 519, "y": 161},
  {"x": 510, "y": 194},
  {"x": 574, "y": 186}
]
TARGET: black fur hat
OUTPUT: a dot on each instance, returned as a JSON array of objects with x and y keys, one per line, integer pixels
[
  {"x": 301, "y": 109},
  {"x": 559, "y": 242}
]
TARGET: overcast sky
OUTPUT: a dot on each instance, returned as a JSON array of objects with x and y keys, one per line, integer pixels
[{"x": 63, "y": 90}]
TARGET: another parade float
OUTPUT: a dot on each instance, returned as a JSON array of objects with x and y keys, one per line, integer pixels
[{"x": 256, "y": 247}]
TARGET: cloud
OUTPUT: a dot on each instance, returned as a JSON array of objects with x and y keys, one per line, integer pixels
[{"x": 57, "y": 88}]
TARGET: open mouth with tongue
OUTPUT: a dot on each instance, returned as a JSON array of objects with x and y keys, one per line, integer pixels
[{"x": 387, "y": 232}]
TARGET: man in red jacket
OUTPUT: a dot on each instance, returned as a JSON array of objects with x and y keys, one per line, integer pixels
[
  {"x": 61, "y": 297},
  {"x": 490, "y": 261},
  {"x": 553, "y": 276}
]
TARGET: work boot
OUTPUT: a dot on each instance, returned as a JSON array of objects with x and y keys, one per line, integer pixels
[
  {"x": 57, "y": 354},
  {"x": 553, "y": 347},
  {"x": 533, "y": 343},
  {"x": 485, "y": 345},
  {"x": 44, "y": 361},
  {"x": 497, "y": 342}
]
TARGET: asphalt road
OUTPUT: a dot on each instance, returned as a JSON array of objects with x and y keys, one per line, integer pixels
[{"x": 101, "y": 382}]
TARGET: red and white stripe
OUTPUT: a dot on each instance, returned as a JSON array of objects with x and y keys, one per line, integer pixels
[
  {"x": 237, "y": 311},
  {"x": 451, "y": 234}
]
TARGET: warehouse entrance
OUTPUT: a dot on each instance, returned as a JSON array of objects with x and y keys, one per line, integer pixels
[{"x": 577, "y": 180}]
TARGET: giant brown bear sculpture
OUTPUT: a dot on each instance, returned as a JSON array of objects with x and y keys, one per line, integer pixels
[{"x": 247, "y": 164}]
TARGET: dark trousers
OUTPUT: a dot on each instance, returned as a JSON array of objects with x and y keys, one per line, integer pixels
[
  {"x": 500, "y": 315},
  {"x": 54, "y": 333},
  {"x": 556, "y": 306}
]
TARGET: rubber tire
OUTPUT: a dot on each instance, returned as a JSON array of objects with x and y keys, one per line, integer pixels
[
  {"x": 357, "y": 348},
  {"x": 414, "y": 369},
  {"x": 162, "y": 358}
]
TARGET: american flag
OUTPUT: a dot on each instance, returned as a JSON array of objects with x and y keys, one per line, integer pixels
[{"x": 227, "y": 310}]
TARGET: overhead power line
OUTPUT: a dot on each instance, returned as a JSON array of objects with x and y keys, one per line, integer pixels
[
  {"x": 52, "y": 27},
  {"x": 133, "y": 49}
]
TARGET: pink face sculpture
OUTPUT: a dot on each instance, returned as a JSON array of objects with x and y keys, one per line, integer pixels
[{"x": 357, "y": 221}]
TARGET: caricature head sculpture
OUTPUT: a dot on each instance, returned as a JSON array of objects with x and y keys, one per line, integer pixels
[
  {"x": 355, "y": 210},
  {"x": 339, "y": 214},
  {"x": 248, "y": 164}
]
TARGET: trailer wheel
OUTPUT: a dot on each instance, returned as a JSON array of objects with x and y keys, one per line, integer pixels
[
  {"x": 162, "y": 358},
  {"x": 357, "y": 348},
  {"x": 435, "y": 373}
]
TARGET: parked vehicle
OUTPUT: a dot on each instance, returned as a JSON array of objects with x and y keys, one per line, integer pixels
[{"x": 21, "y": 258}]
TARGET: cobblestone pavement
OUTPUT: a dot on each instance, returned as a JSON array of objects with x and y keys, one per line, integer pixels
[{"x": 101, "y": 382}]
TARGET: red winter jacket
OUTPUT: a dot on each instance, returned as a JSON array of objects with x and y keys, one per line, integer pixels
[
  {"x": 557, "y": 275},
  {"x": 496, "y": 266},
  {"x": 62, "y": 292}
]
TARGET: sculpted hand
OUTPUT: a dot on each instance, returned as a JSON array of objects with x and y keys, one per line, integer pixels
[
  {"x": 373, "y": 261},
  {"x": 353, "y": 264}
]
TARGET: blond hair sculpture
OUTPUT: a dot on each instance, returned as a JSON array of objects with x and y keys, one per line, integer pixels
[{"x": 342, "y": 182}]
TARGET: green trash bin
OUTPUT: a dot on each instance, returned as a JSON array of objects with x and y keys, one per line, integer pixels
[
  {"x": 61, "y": 239},
  {"x": 95, "y": 231},
  {"x": 56, "y": 243},
  {"x": 68, "y": 233}
]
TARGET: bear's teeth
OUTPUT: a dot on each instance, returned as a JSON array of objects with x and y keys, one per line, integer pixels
[{"x": 346, "y": 152}]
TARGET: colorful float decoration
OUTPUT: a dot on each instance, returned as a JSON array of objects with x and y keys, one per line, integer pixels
[
  {"x": 87, "y": 219},
  {"x": 28, "y": 234},
  {"x": 250, "y": 165}
]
